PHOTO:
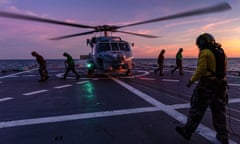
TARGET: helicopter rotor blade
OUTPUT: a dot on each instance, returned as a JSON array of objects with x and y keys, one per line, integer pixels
[
  {"x": 137, "y": 34},
  {"x": 72, "y": 35},
  {"x": 39, "y": 19},
  {"x": 216, "y": 8}
]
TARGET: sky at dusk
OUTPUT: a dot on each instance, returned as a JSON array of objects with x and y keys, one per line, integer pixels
[{"x": 19, "y": 38}]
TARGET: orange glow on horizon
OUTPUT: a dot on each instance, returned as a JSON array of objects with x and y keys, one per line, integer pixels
[{"x": 231, "y": 47}]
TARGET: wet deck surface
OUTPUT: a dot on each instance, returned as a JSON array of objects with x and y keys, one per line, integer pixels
[{"x": 108, "y": 109}]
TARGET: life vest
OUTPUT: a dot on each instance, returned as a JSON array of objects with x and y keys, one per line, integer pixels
[{"x": 220, "y": 57}]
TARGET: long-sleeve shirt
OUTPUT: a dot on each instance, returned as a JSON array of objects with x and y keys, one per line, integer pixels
[
  {"x": 206, "y": 64},
  {"x": 70, "y": 60},
  {"x": 40, "y": 60},
  {"x": 179, "y": 56}
]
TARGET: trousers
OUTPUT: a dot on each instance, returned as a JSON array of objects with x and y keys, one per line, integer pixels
[{"x": 212, "y": 94}]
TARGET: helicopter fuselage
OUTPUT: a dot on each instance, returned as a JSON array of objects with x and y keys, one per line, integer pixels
[{"x": 110, "y": 54}]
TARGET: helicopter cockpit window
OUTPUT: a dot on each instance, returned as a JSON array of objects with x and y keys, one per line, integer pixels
[
  {"x": 124, "y": 46},
  {"x": 114, "y": 46},
  {"x": 102, "y": 47}
]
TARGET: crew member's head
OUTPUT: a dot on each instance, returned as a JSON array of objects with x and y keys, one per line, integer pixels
[
  {"x": 162, "y": 51},
  {"x": 34, "y": 53},
  {"x": 180, "y": 49},
  {"x": 65, "y": 54},
  {"x": 205, "y": 40}
]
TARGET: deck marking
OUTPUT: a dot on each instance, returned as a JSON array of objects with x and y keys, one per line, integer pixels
[
  {"x": 14, "y": 75},
  {"x": 232, "y": 84},
  {"x": 170, "y": 80},
  {"x": 62, "y": 118},
  {"x": 202, "y": 129},
  {"x": 235, "y": 110},
  {"x": 234, "y": 100},
  {"x": 144, "y": 78},
  {"x": 5, "y": 99},
  {"x": 143, "y": 73},
  {"x": 187, "y": 105},
  {"x": 81, "y": 82},
  {"x": 63, "y": 86},
  {"x": 29, "y": 75},
  {"x": 35, "y": 92},
  {"x": 53, "y": 119}
]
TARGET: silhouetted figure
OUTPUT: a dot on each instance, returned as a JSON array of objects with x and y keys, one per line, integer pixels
[
  {"x": 42, "y": 66},
  {"x": 210, "y": 90},
  {"x": 178, "y": 62},
  {"x": 160, "y": 63},
  {"x": 70, "y": 66}
]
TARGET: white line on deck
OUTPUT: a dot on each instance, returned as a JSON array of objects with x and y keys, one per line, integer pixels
[
  {"x": 63, "y": 86},
  {"x": 234, "y": 100},
  {"x": 14, "y": 75},
  {"x": 35, "y": 92},
  {"x": 53, "y": 119},
  {"x": 81, "y": 82},
  {"x": 62, "y": 118},
  {"x": 158, "y": 106},
  {"x": 170, "y": 80},
  {"x": 29, "y": 75},
  {"x": 232, "y": 84},
  {"x": 144, "y": 78},
  {"x": 5, "y": 99},
  {"x": 202, "y": 129}
]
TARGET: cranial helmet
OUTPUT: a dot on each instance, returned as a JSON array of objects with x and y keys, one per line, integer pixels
[
  {"x": 65, "y": 54},
  {"x": 205, "y": 40},
  {"x": 34, "y": 53}
]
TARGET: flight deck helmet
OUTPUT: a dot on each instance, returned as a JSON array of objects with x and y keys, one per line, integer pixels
[
  {"x": 65, "y": 54},
  {"x": 205, "y": 40},
  {"x": 34, "y": 53}
]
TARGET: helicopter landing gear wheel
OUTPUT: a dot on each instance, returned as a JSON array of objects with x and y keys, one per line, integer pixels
[{"x": 128, "y": 72}]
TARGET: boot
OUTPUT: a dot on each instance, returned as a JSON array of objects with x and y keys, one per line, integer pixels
[
  {"x": 222, "y": 139},
  {"x": 182, "y": 131}
]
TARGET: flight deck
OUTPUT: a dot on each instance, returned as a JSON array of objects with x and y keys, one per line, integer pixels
[{"x": 143, "y": 108}]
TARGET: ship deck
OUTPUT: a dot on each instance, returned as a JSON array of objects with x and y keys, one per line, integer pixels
[{"x": 105, "y": 108}]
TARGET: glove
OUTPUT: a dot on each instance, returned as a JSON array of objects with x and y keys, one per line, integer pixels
[{"x": 189, "y": 83}]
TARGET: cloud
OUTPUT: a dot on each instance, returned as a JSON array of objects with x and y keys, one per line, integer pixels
[
  {"x": 212, "y": 25},
  {"x": 5, "y": 1},
  {"x": 14, "y": 9}
]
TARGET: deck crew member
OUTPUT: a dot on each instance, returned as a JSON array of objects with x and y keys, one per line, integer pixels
[
  {"x": 42, "y": 66},
  {"x": 160, "y": 63},
  {"x": 210, "y": 90},
  {"x": 70, "y": 66},
  {"x": 179, "y": 58}
]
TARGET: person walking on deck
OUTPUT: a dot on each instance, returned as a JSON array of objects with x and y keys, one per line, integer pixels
[
  {"x": 210, "y": 90},
  {"x": 179, "y": 58},
  {"x": 160, "y": 63},
  {"x": 42, "y": 66},
  {"x": 70, "y": 66}
]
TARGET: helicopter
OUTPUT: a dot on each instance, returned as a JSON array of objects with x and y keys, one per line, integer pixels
[{"x": 111, "y": 53}]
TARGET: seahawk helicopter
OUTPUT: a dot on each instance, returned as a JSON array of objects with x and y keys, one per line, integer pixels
[{"x": 109, "y": 53}]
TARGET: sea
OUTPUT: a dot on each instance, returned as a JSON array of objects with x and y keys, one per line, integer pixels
[{"x": 18, "y": 65}]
